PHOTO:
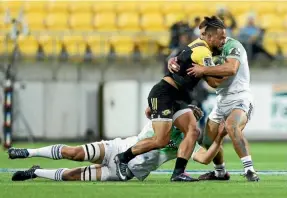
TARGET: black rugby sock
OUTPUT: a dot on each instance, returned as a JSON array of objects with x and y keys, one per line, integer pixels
[
  {"x": 127, "y": 156},
  {"x": 179, "y": 166}
]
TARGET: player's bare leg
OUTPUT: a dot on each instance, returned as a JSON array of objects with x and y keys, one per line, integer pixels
[
  {"x": 89, "y": 173},
  {"x": 234, "y": 126},
  {"x": 94, "y": 152},
  {"x": 187, "y": 124},
  {"x": 210, "y": 133},
  {"x": 161, "y": 139}
]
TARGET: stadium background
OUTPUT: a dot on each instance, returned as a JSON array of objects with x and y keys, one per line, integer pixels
[{"x": 84, "y": 69}]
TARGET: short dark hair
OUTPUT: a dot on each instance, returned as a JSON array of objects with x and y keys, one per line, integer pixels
[
  {"x": 212, "y": 24},
  {"x": 202, "y": 24}
]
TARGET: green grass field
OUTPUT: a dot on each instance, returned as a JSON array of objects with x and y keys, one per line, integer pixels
[{"x": 266, "y": 157}]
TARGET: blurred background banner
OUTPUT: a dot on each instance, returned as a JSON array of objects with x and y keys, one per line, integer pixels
[
  {"x": 65, "y": 110},
  {"x": 83, "y": 69}
]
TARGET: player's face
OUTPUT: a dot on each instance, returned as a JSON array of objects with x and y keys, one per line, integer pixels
[{"x": 217, "y": 39}]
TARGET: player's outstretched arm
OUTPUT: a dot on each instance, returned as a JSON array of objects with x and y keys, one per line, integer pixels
[{"x": 206, "y": 156}]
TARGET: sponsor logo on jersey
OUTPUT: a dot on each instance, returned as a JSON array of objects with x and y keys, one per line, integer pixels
[
  {"x": 166, "y": 112},
  {"x": 235, "y": 52}
]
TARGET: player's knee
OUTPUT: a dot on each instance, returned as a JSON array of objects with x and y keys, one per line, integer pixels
[
  {"x": 79, "y": 154},
  {"x": 162, "y": 142},
  {"x": 192, "y": 132},
  {"x": 73, "y": 153},
  {"x": 71, "y": 175},
  {"x": 232, "y": 129}
]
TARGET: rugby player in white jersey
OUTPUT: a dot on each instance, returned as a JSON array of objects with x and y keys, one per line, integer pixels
[
  {"x": 234, "y": 104},
  {"x": 101, "y": 154}
]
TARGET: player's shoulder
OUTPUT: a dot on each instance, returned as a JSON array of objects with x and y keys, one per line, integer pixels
[
  {"x": 199, "y": 48},
  {"x": 199, "y": 45},
  {"x": 233, "y": 47},
  {"x": 202, "y": 50},
  {"x": 231, "y": 42},
  {"x": 195, "y": 51},
  {"x": 196, "y": 42}
]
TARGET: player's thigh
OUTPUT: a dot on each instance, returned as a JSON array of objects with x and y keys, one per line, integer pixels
[
  {"x": 211, "y": 129},
  {"x": 239, "y": 111},
  {"x": 93, "y": 152},
  {"x": 186, "y": 122},
  {"x": 161, "y": 100},
  {"x": 236, "y": 120},
  {"x": 217, "y": 114},
  {"x": 87, "y": 173},
  {"x": 112, "y": 148},
  {"x": 162, "y": 131}
]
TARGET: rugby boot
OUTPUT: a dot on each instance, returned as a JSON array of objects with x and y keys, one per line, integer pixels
[
  {"x": 183, "y": 177},
  {"x": 25, "y": 175},
  {"x": 121, "y": 168},
  {"x": 211, "y": 176},
  {"x": 15, "y": 153},
  {"x": 251, "y": 176}
]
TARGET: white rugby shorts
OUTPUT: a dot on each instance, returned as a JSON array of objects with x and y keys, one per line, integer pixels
[{"x": 225, "y": 105}]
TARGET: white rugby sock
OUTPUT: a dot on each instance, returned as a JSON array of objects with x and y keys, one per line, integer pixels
[
  {"x": 54, "y": 174},
  {"x": 247, "y": 163},
  {"x": 219, "y": 170},
  {"x": 52, "y": 152}
]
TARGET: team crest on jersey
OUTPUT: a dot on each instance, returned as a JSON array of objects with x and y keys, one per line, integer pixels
[
  {"x": 166, "y": 112},
  {"x": 234, "y": 52},
  {"x": 207, "y": 61}
]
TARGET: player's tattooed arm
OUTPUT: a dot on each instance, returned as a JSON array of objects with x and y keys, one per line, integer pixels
[
  {"x": 214, "y": 82},
  {"x": 229, "y": 68}
]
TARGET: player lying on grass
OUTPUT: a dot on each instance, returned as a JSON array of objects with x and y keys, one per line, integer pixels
[{"x": 101, "y": 154}]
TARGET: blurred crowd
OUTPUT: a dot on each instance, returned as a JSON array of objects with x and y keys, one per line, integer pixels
[{"x": 251, "y": 35}]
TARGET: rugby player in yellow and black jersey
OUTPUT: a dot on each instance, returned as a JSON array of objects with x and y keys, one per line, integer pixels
[{"x": 168, "y": 104}]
